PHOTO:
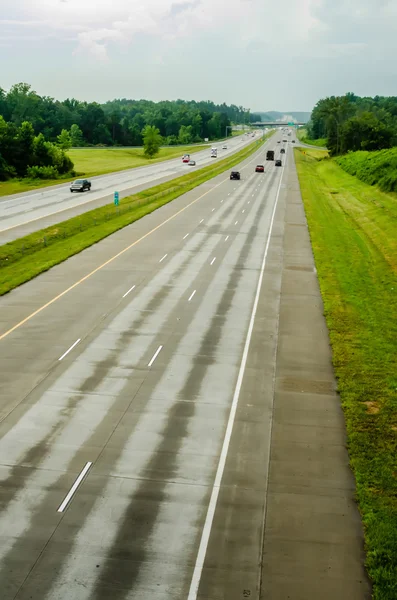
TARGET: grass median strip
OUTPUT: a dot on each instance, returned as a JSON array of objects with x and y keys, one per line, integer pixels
[
  {"x": 354, "y": 238},
  {"x": 27, "y": 257}
]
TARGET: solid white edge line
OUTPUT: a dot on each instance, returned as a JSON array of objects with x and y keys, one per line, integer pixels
[
  {"x": 201, "y": 221},
  {"x": 191, "y": 295},
  {"x": 236, "y": 222},
  {"x": 213, "y": 260},
  {"x": 226, "y": 238},
  {"x": 71, "y": 348},
  {"x": 198, "y": 568},
  {"x": 155, "y": 356},
  {"x": 130, "y": 290},
  {"x": 74, "y": 487},
  {"x": 185, "y": 236},
  {"x": 165, "y": 256}
]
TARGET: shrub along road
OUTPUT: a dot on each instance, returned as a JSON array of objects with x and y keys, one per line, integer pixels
[{"x": 354, "y": 238}]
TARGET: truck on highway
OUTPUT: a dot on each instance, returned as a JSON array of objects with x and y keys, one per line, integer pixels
[{"x": 270, "y": 155}]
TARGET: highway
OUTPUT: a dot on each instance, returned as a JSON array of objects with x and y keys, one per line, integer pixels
[
  {"x": 24, "y": 213},
  {"x": 169, "y": 422}
]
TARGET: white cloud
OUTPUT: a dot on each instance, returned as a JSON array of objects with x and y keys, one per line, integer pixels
[
  {"x": 196, "y": 48},
  {"x": 102, "y": 22}
]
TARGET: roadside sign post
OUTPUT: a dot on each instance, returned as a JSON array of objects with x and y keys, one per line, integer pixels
[{"x": 116, "y": 198}]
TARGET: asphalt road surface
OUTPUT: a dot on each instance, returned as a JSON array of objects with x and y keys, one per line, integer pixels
[
  {"x": 169, "y": 423},
  {"x": 24, "y": 213}
]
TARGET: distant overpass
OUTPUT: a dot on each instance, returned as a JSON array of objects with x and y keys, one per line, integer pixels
[{"x": 276, "y": 124}]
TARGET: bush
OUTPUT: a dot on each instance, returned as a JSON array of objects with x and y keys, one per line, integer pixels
[{"x": 36, "y": 172}]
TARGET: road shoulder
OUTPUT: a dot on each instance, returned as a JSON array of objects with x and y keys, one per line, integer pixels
[{"x": 313, "y": 538}]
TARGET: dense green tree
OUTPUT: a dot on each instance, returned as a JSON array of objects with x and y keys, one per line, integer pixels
[
  {"x": 185, "y": 134},
  {"x": 152, "y": 140},
  {"x": 365, "y": 132},
  {"x": 350, "y": 122},
  {"x": 64, "y": 140},
  {"x": 76, "y": 136}
]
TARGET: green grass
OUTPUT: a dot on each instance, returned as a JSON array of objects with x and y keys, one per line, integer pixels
[
  {"x": 354, "y": 238},
  {"x": 27, "y": 257},
  {"x": 98, "y": 161},
  {"x": 302, "y": 136},
  {"x": 375, "y": 168}
]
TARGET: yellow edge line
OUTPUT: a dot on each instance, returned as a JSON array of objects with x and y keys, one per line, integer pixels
[{"x": 110, "y": 260}]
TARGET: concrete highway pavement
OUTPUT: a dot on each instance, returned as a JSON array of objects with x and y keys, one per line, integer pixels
[
  {"x": 25, "y": 213},
  {"x": 167, "y": 432}
]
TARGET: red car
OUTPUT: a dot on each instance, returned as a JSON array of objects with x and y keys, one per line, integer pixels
[
  {"x": 259, "y": 169},
  {"x": 186, "y": 158}
]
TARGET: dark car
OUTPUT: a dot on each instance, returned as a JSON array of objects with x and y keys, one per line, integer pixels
[
  {"x": 285, "y": 140},
  {"x": 278, "y": 163},
  {"x": 293, "y": 141},
  {"x": 279, "y": 142},
  {"x": 259, "y": 169},
  {"x": 282, "y": 151},
  {"x": 80, "y": 185},
  {"x": 235, "y": 175}
]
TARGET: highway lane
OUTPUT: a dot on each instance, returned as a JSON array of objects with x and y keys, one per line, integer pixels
[
  {"x": 152, "y": 433},
  {"x": 27, "y": 212},
  {"x": 122, "y": 392}
]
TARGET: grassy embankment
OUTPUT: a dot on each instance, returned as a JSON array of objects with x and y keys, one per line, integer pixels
[
  {"x": 27, "y": 257},
  {"x": 375, "y": 168},
  {"x": 302, "y": 136},
  {"x": 98, "y": 161},
  {"x": 353, "y": 229}
]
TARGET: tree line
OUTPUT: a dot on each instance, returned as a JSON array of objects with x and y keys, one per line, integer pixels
[
  {"x": 351, "y": 123},
  {"x": 35, "y": 131}
]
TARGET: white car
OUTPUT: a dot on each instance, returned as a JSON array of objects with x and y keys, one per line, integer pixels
[{"x": 224, "y": 147}]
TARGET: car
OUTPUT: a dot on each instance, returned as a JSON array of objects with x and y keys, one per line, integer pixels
[
  {"x": 279, "y": 142},
  {"x": 285, "y": 140},
  {"x": 192, "y": 163},
  {"x": 259, "y": 169},
  {"x": 80, "y": 185},
  {"x": 224, "y": 147},
  {"x": 293, "y": 141},
  {"x": 235, "y": 175},
  {"x": 278, "y": 163},
  {"x": 186, "y": 159},
  {"x": 282, "y": 151}
]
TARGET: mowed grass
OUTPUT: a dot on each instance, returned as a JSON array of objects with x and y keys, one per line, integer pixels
[
  {"x": 27, "y": 257},
  {"x": 98, "y": 161},
  {"x": 354, "y": 238},
  {"x": 302, "y": 136}
]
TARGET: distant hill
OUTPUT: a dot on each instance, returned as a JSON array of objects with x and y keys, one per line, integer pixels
[{"x": 273, "y": 115}]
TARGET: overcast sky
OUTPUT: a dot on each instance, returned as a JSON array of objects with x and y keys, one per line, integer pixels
[{"x": 263, "y": 54}]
